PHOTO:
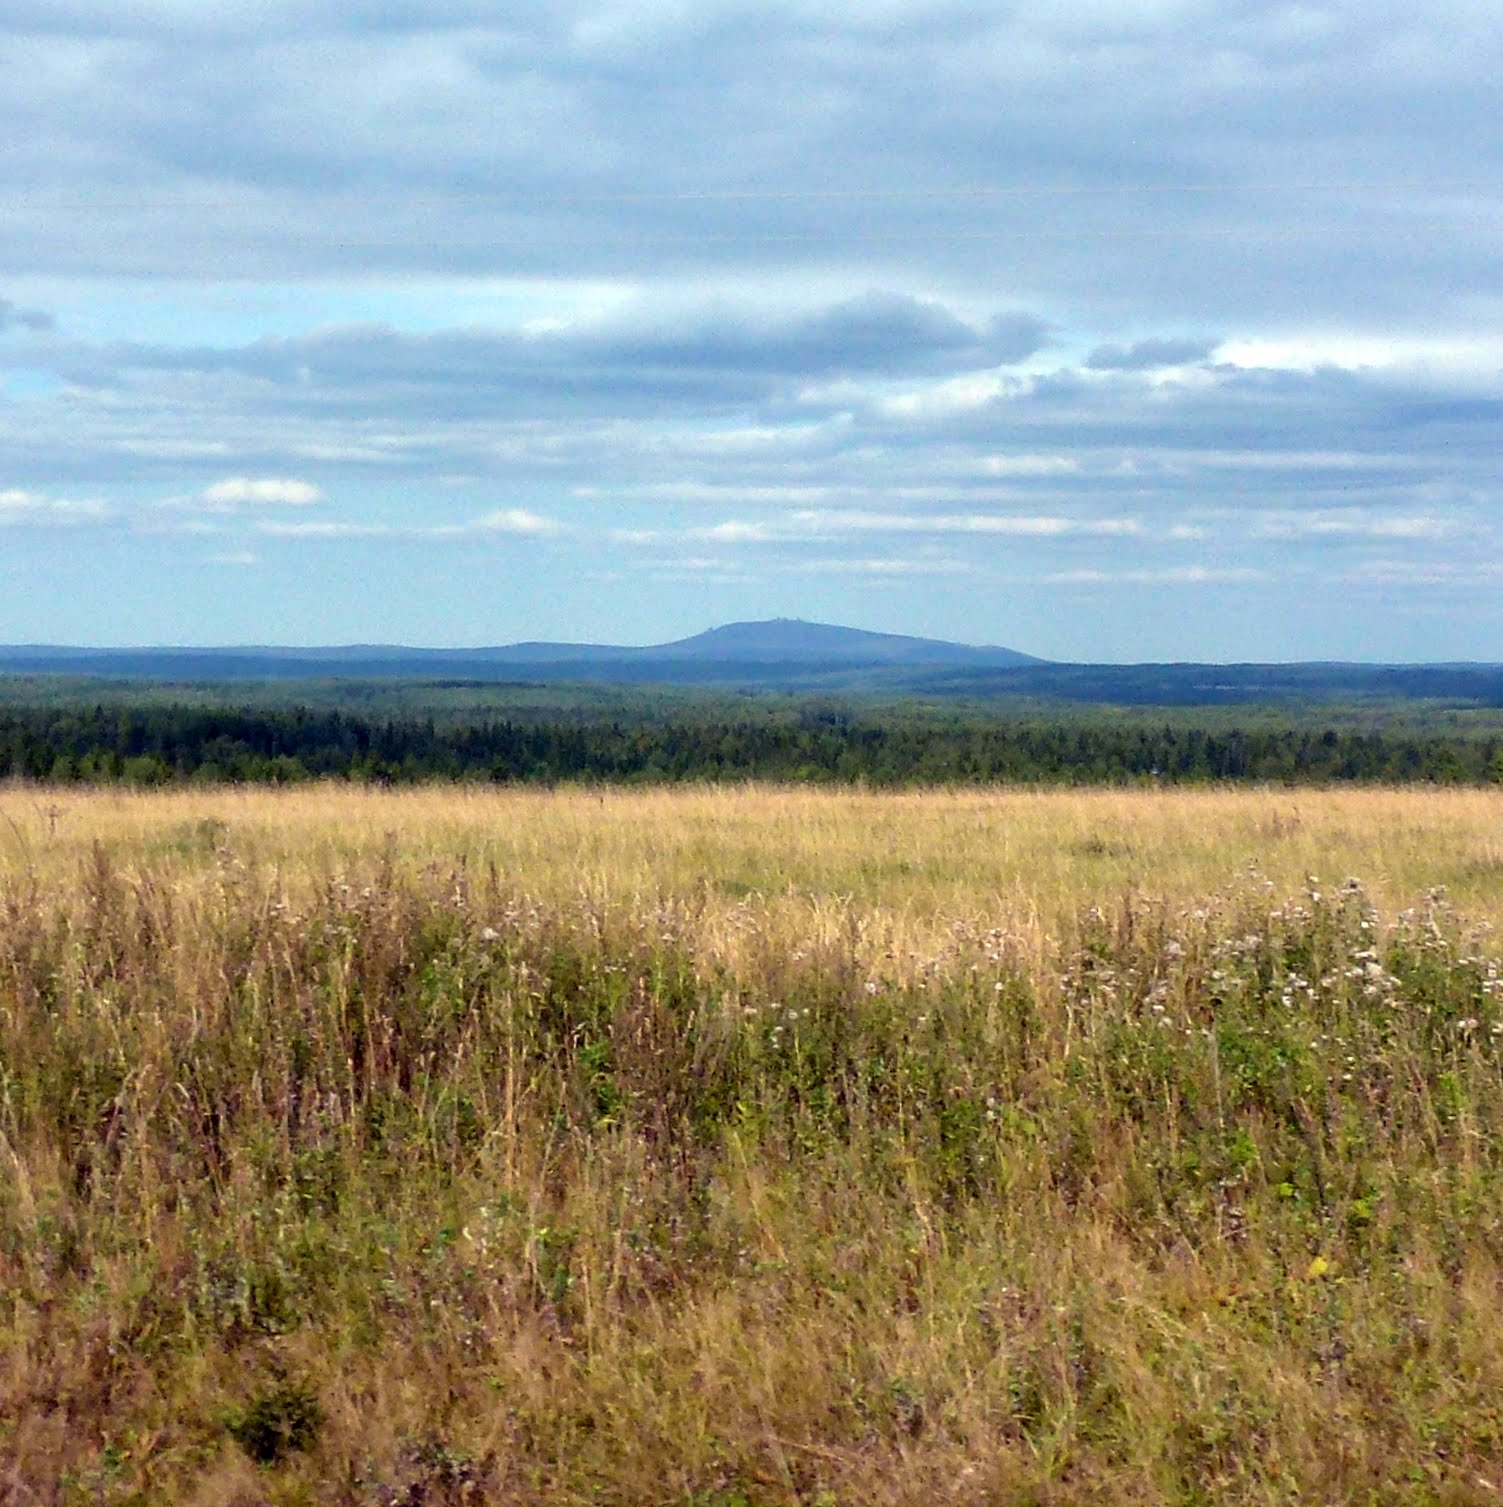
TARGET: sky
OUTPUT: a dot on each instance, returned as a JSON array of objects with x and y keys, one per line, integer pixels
[{"x": 1109, "y": 330}]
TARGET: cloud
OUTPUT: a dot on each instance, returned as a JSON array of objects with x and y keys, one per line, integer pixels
[
  {"x": 884, "y": 566},
  {"x": 250, "y": 491},
  {"x": 878, "y": 332},
  {"x": 814, "y": 525},
  {"x": 323, "y": 528},
  {"x": 1013, "y": 525},
  {"x": 1357, "y": 524},
  {"x": 571, "y": 431},
  {"x": 1148, "y": 355},
  {"x": 737, "y": 531},
  {"x": 12, "y": 316},
  {"x": 818, "y": 284},
  {"x": 20, "y": 508},
  {"x": 711, "y": 492},
  {"x": 691, "y": 356},
  {"x": 1178, "y": 575},
  {"x": 1409, "y": 573},
  {"x": 742, "y": 137},
  {"x": 1028, "y": 465},
  {"x": 517, "y": 521}
]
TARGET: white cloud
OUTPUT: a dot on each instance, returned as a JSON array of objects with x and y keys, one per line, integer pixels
[
  {"x": 812, "y": 525},
  {"x": 1356, "y": 524},
  {"x": 1357, "y": 351},
  {"x": 1398, "y": 573},
  {"x": 883, "y": 567},
  {"x": 953, "y": 396},
  {"x": 1027, "y": 465},
  {"x": 517, "y": 521},
  {"x": 1015, "y": 525},
  {"x": 252, "y": 491},
  {"x": 162, "y": 447},
  {"x": 709, "y": 492},
  {"x": 737, "y": 532},
  {"x": 20, "y": 508},
  {"x": 1185, "y": 575},
  {"x": 321, "y": 529},
  {"x": 514, "y": 521},
  {"x": 1275, "y": 459}
]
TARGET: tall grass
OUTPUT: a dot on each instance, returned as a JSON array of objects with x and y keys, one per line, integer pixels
[{"x": 347, "y": 1158}]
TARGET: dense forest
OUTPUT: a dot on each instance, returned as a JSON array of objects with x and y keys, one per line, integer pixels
[{"x": 166, "y": 744}]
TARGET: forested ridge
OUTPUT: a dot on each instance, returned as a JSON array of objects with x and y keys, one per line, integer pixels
[{"x": 165, "y": 744}]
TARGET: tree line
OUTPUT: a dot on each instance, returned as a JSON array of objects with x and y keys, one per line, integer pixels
[{"x": 168, "y": 744}]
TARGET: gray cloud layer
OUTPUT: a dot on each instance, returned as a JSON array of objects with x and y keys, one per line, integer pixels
[
  {"x": 1180, "y": 156},
  {"x": 13, "y": 317},
  {"x": 695, "y": 357},
  {"x": 1147, "y": 355},
  {"x": 879, "y": 396},
  {"x": 1169, "y": 293}
]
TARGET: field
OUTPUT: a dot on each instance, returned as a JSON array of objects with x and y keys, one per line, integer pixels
[{"x": 735, "y": 1146}]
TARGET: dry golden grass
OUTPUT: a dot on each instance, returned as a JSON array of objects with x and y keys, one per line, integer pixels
[
  {"x": 730, "y": 1148},
  {"x": 912, "y": 862}
]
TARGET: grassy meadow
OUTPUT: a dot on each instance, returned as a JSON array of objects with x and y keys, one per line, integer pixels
[{"x": 743, "y": 1146}]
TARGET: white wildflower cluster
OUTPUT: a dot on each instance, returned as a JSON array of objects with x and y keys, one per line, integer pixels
[
  {"x": 1296, "y": 988},
  {"x": 784, "y": 1019},
  {"x": 513, "y": 917},
  {"x": 1367, "y": 973}
]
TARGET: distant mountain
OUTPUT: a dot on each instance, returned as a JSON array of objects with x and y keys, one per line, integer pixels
[
  {"x": 786, "y": 654},
  {"x": 775, "y": 641},
  {"x": 786, "y": 640},
  {"x": 780, "y": 643}
]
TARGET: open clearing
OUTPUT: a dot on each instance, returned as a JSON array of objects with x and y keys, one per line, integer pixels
[{"x": 740, "y": 1146}]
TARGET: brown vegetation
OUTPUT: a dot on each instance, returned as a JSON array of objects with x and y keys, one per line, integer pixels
[{"x": 739, "y": 1147}]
